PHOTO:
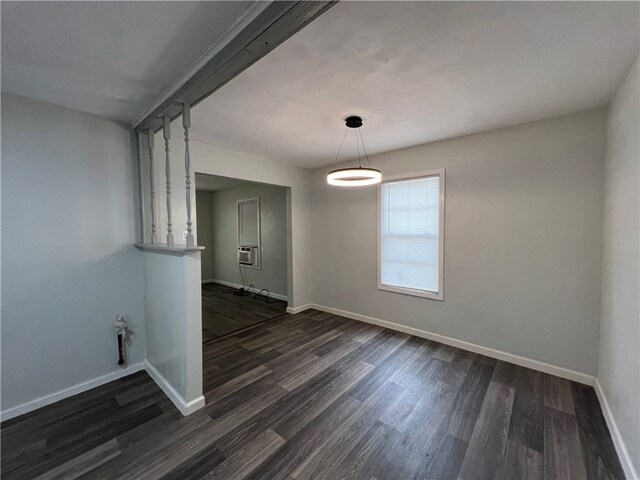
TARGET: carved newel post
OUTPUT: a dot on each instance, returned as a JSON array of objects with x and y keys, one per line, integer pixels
[
  {"x": 166, "y": 130},
  {"x": 152, "y": 189},
  {"x": 186, "y": 123}
]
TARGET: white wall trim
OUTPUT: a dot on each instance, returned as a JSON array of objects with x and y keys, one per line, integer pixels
[
  {"x": 237, "y": 285},
  {"x": 181, "y": 404},
  {"x": 472, "y": 347},
  {"x": 194, "y": 405},
  {"x": 618, "y": 441},
  {"x": 68, "y": 392},
  {"x": 301, "y": 308},
  {"x": 185, "y": 408}
]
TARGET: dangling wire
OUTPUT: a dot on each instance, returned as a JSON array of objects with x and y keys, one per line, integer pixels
[
  {"x": 340, "y": 147},
  {"x": 363, "y": 148}
]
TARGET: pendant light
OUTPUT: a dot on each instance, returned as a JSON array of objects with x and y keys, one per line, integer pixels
[{"x": 354, "y": 176}]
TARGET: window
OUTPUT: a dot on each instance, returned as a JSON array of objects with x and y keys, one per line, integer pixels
[
  {"x": 249, "y": 251},
  {"x": 249, "y": 222},
  {"x": 411, "y": 234}
]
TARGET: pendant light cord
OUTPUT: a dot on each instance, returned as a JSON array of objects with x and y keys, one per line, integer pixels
[
  {"x": 340, "y": 147},
  {"x": 364, "y": 148},
  {"x": 358, "y": 131},
  {"x": 358, "y": 148}
]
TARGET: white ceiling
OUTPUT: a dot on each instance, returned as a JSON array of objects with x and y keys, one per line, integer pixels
[
  {"x": 419, "y": 72},
  {"x": 111, "y": 59}
]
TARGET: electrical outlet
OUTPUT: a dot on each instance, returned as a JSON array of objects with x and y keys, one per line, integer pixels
[{"x": 184, "y": 235}]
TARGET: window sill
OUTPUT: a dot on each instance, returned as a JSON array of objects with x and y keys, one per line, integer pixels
[{"x": 412, "y": 292}]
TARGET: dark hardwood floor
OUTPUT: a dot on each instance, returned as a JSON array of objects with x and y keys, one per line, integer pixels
[
  {"x": 223, "y": 313},
  {"x": 312, "y": 396}
]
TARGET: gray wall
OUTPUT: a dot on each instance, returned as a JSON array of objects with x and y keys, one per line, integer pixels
[
  {"x": 619, "y": 353},
  {"x": 523, "y": 241},
  {"x": 273, "y": 217},
  {"x": 68, "y": 261},
  {"x": 174, "y": 323},
  {"x": 205, "y": 232}
]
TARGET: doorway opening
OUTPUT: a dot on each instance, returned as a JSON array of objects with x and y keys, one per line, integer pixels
[{"x": 244, "y": 269}]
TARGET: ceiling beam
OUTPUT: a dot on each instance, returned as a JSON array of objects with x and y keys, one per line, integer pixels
[{"x": 272, "y": 26}]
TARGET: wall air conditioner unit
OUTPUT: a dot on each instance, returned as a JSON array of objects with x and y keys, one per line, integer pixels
[{"x": 248, "y": 256}]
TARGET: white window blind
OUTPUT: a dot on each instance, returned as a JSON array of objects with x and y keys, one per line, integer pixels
[{"x": 410, "y": 242}]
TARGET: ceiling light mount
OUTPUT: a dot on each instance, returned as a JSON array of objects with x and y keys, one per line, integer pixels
[
  {"x": 353, "y": 121},
  {"x": 354, "y": 176}
]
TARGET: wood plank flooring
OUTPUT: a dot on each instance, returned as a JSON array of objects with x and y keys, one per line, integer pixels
[
  {"x": 223, "y": 313},
  {"x": 316, "y": 396}
]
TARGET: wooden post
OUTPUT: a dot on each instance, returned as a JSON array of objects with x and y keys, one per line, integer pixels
[
  {"x": 166, "y": 130},
  {"x": 186, "y": 123},
  {"x": 150, "y": 144}
]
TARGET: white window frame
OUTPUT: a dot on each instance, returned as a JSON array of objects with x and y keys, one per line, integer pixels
[
  {"x": 259, "y": 244},
  {"x": 439, "y": 295}
]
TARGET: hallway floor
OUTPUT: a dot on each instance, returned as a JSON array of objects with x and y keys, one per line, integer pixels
[
  {"x": 316, "y": 396},
  {"x": 223, "y": 313}
]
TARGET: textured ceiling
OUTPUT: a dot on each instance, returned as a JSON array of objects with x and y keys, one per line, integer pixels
[
  {"x": 419, "y": 72},
  {"x": 111, "y": 59}
]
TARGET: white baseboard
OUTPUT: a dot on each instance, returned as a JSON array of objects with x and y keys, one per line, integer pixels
[
  {"x": 181, "y": 404},
  {"x": 301, "y": 308},
  {"x": 472, "y": 347},
  {"x": 194, "y": 405},
  {"x": 618, "y": 442},
  {"x": 68, "y": 392},
  {"x": 237, "y": 285}
]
